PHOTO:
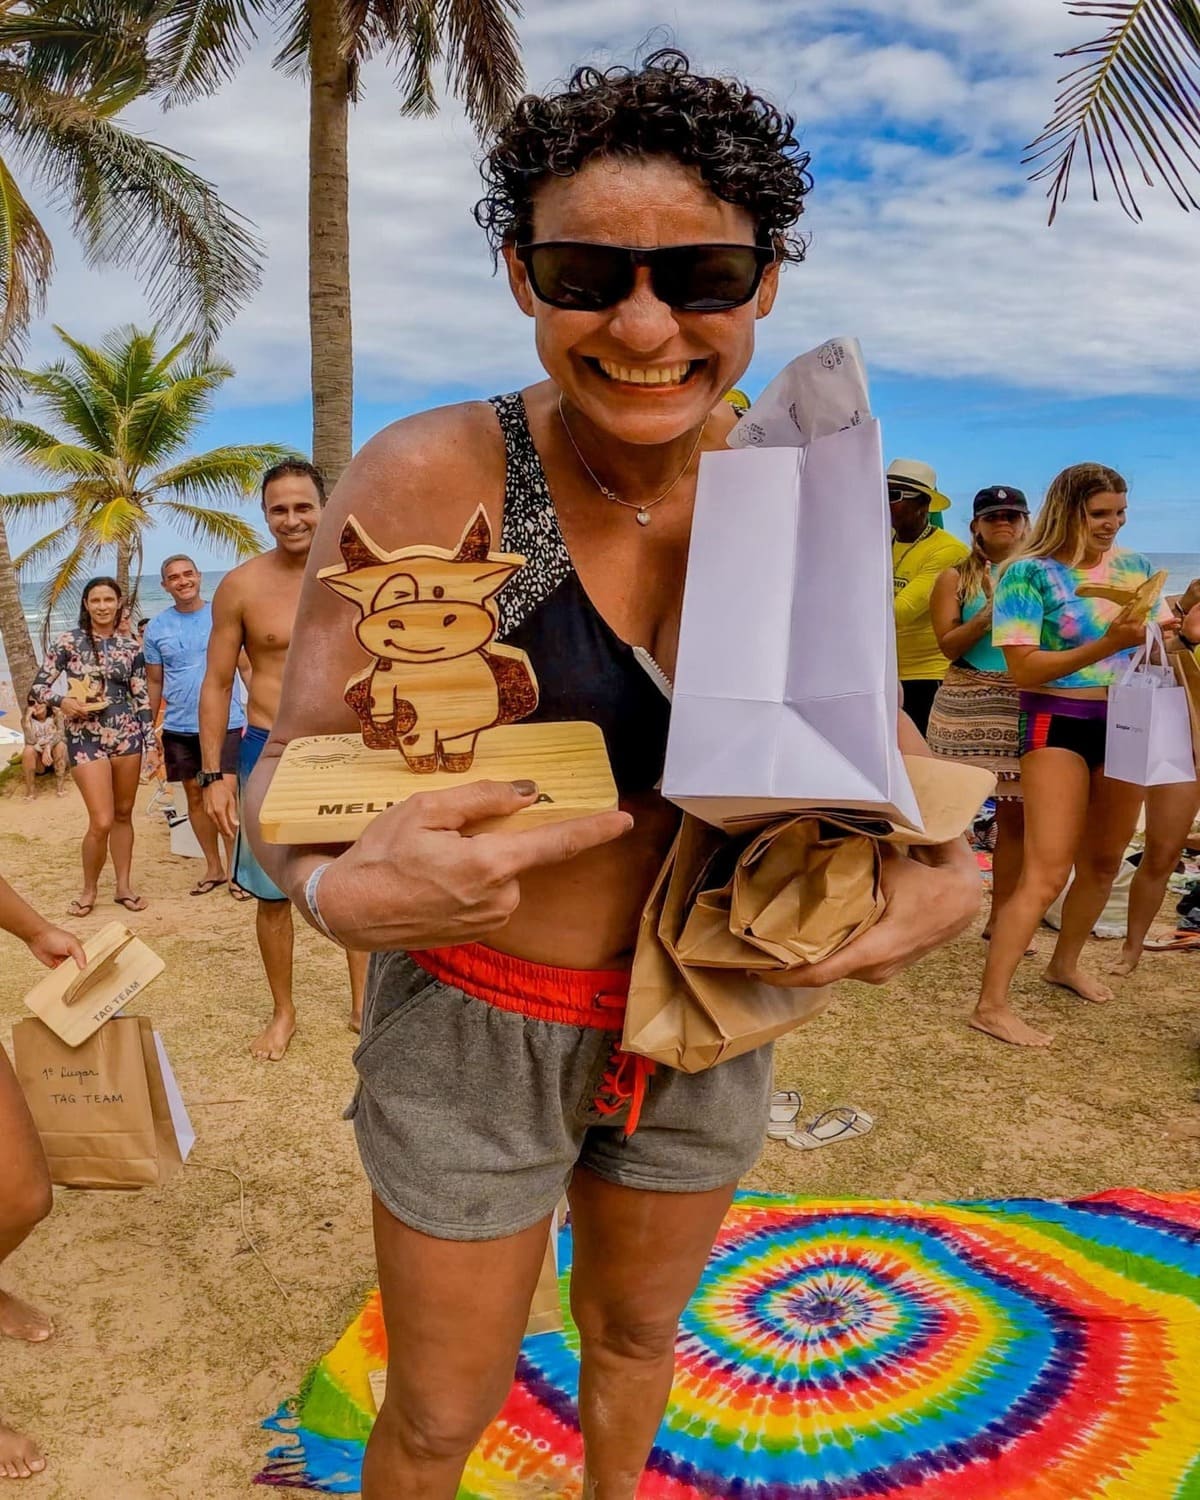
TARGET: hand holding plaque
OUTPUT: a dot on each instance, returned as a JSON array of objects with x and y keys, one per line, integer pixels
[{"x": 439, "y": 698}]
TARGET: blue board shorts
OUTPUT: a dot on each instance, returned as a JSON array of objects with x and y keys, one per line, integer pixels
[{"x": 247, "y": 872}]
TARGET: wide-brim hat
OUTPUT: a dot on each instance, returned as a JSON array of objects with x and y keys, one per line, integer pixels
[{"x": 914, "y": 475}]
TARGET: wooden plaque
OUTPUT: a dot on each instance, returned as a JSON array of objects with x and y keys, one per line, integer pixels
[
  {"x": 75, "y": 1004},
  {"x": 1138, "y": 601},
  {"x": 440, "y": 699},
  {"x": 327, "y": 788}
]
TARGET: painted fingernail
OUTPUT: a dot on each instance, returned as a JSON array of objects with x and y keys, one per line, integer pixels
[{"x": 525, "y": 788}]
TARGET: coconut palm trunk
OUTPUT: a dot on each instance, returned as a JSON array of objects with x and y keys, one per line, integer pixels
[
  {"x": 18, "y": 646},
  {"x": 332, "y": 358}
]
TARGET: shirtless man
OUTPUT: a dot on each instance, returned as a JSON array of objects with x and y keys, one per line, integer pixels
[{"x": 253, "y": 610}]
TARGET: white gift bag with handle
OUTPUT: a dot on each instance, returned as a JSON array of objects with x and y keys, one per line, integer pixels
[{"x": 1149, "y": 738}]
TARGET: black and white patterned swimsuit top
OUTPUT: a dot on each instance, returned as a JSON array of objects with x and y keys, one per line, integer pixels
[{"x": 584, "y": 670}]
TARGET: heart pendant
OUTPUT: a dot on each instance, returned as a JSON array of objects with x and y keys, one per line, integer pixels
[{"x": 643, "y": 518}]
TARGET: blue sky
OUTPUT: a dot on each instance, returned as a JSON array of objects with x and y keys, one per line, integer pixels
[{"x": 999, "y": 350}]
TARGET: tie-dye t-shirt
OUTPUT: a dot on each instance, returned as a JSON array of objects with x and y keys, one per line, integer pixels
[{"x": 1036, "y": 605}]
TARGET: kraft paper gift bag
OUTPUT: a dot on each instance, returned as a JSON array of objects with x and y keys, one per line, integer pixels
[
  {"x": 104, "y": 1109},
  {"x": 1187, "y": 675},
  {"x": 727, "y": 907},
  {"x": 1149, "y": 736},
  {"x": 786, "y": 690}
]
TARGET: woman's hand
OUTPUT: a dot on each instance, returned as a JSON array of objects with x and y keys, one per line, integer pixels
[
  {"x": 1122, "y": 634},
  {"x": 931, "y": 895},
  {"x": 418, "y": 879},
  {"x": 51, "y": 945},
  {"x": 74, "y": 710}
]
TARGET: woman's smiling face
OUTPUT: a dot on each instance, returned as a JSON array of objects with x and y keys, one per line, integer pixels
[{"x": 601, "y": 360}]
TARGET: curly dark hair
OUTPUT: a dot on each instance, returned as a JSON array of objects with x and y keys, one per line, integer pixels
[{"x": 745, "y": 150}]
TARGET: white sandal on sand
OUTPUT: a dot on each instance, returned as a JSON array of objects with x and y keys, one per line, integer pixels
[
  {"x": 786, "y": 1105},
  {"x": 840, "y": 1123}
]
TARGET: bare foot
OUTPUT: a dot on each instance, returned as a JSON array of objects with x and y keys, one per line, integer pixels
[
  {"x": 1083, "y": 984},
  {"x": 273, "y": 1041},
  {"x": 20, "y": 1321},
  {"x": 1006, "y": 1026},
  {"x": 20, "y": 1457},
  {"x": 1126, "y": 963}
]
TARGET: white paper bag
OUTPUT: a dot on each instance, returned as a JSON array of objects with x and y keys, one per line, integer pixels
[
  {"x": 785, "y": 689},
  {"x": 1149, "y": 736},
  {"x": 817, "y": 394}
]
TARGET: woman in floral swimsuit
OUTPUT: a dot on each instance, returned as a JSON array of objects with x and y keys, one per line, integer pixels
[{"x": 107, "y": 720}]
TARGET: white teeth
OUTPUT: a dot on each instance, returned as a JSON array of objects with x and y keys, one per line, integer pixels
[{"x": 646, "y": 374}]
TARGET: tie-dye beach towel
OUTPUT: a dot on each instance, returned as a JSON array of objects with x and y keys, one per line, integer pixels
[{"x": 844, "y": 1348}]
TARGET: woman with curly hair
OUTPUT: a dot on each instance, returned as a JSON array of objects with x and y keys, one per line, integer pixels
[
  {"x": 643, "y": 217},
  {"x": 106, "y": 717}
]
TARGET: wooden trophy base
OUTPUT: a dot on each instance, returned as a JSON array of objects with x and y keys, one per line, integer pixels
[{"x": 327, "y": 788}]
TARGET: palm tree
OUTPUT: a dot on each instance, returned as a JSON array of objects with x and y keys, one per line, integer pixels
[
  {"x": 67, "y": 70},
  {"x": 199, "y": 46},
  {"x": 1132, "y": 104},
  {"x": 124, "y": 414}
]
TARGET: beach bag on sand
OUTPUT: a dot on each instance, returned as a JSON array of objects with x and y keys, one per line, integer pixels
[
  {"x": 109, "y": 1111},
  {"x": 1149, "y": 737},
  {"x": 726, "y": 909}
]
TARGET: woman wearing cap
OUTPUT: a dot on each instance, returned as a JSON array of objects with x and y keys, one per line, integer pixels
[
  {"x": 642, "y": 217},
  {"x": 921, "y": 552},
  {"x": 975, "y": 712},
  {"x": 1063, "y": 651}
]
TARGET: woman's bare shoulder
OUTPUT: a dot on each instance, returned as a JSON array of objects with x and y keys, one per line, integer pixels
[{"x": 431, "y": 470}]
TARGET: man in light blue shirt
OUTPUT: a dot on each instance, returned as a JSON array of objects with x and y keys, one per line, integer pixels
[{"x": 175, "y": 645}]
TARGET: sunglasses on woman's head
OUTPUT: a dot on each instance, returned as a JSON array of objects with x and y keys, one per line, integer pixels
[{"x": 582, "y": 277}]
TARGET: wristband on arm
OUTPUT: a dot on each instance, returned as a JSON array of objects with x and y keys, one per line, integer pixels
[{"x": 310, "y": 901}]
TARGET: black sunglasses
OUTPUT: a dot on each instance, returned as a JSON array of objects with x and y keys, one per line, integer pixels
[{"x": 582, "y": 277}]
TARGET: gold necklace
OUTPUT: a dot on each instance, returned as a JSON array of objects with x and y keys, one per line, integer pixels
[
  {"x": 928, "y": 532},
  {"x": 643, "y": 509}
]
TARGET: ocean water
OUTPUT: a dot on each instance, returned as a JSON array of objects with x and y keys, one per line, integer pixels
[{"x": 152, "y": 597}]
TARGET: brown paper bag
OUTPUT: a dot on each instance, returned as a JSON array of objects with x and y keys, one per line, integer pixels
[
  {"x": 100, "y": 1108},
  {"x": 791, "y": 894},
  {"x": 1187, "y": 674}
]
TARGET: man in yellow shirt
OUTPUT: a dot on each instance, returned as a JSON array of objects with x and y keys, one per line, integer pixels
[{"x": 920, "y": 552}]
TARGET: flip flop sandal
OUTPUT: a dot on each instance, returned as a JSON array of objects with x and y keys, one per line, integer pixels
[
  {"x": 130, "y": 903},
  {"x": 238, "y": 892},
  {"x": 840, "y": 1123},
  {"x": 203, "y": 887},
  {"x": 80, "y": 908},
  {"x": 1177, "y": 942},
  {"x": 786, "y": 1105}
]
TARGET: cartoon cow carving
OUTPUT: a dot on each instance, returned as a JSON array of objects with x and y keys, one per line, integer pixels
[{"x": 428, "y": 619}]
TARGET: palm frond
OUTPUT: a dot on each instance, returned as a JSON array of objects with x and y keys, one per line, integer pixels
[
  {"x": 1132, "y": 105},
  {"x": 140, "y": 205},
  {"x": 67, "y": 394},
  {"x": 68, "y": 575},
  {"x": 208, "y": 525},
  {"x": 230, "y": 473},
  {"x": 118, "y": 520},
  {"x": 292, "y": 57},
  {"x": 200, "y": 44},
  {"x": 42, "y": 451},
  {"x": 416, "y": 51},
  {"x": 26, "y": 261},
  {"x": 159, "y": 422},
  {"x": 80, "y": 46},
  {"x": 45, "y": 549},
  {"x": 32, "y": 505},
  {"x": 483, "y": 57}
]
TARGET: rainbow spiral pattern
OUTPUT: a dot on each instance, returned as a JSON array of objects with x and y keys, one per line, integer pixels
[{"x": 837, "y": 1349}]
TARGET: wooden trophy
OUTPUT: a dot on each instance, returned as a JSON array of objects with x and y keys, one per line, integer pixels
[
  {"x": 440, "y": 699},
  {"x": 1137, "y": 601},
  {"x": 75, "y": 1002},
  {"x": 87, "y": 691}
]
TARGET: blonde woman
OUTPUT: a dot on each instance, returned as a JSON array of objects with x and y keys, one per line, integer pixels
[
  {"x": 975, "y": 712},
  {"x": 1063, "y": 652}
]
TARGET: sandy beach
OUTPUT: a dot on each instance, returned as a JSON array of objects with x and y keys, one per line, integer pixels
[{"x": 173, "y": 1341}]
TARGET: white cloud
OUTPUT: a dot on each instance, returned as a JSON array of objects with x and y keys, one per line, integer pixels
[{"x": 936, "y": 254}]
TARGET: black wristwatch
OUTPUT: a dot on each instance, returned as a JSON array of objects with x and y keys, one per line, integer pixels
[{"x": 206, "y": 778}]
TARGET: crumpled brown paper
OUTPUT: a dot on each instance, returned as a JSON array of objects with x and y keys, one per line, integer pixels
[{"x": 771, "y": 900}]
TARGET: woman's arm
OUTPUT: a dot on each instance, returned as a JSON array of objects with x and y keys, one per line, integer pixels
[
  {"x": 54, "y": 664},
  {"x": 417, "y": 877},
  {"x": 139, "y": 694},
  {"x": 48, "y": 944},
  {"x": 1032, "y": 667},
  {"x": 954, "y": 637}
]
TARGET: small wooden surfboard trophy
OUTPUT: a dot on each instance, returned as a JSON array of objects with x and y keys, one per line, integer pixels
[
  {"x": 439, "y": 700},
  {"x": 1138, "y": 601}
]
